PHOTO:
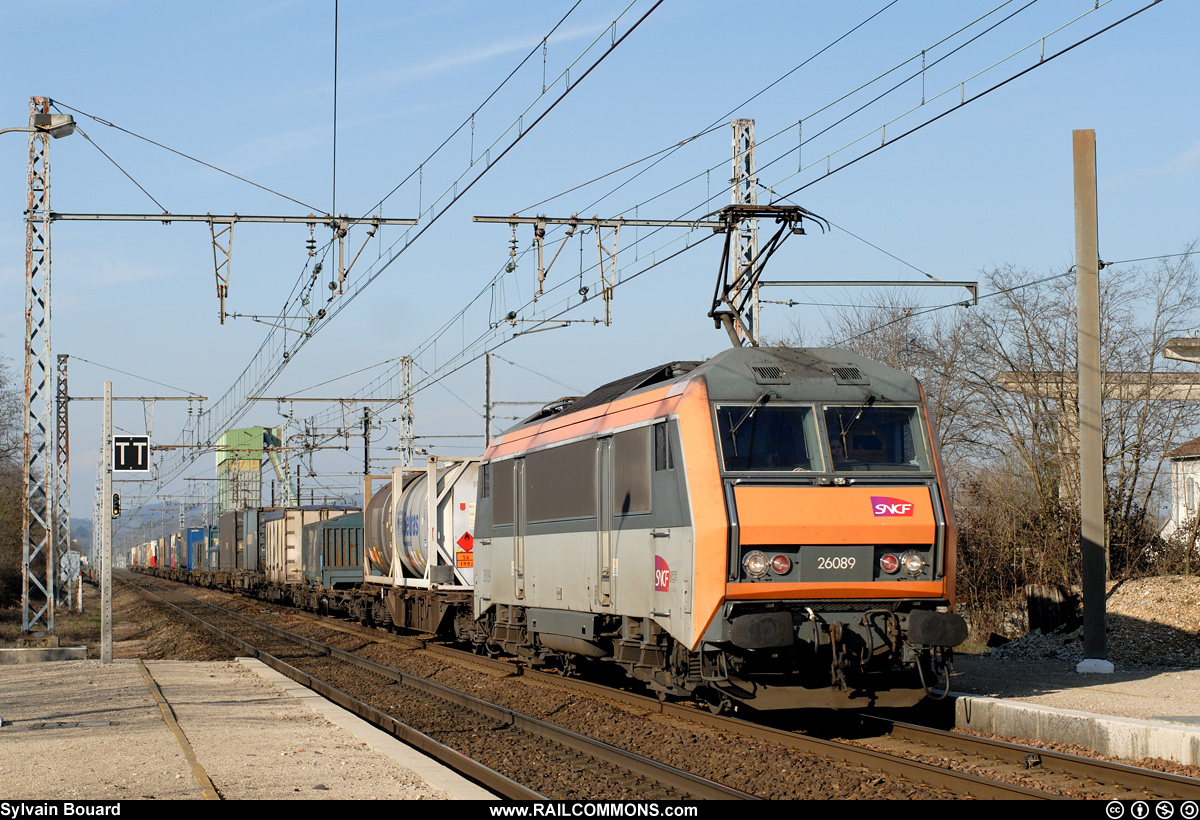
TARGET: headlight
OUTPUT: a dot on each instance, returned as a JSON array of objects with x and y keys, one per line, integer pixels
[
  {"x": 755, "y": 563},
  {"x": 913, "y": 562}
]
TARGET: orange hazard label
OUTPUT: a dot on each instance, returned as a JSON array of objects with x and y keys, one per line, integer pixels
[{"x": 465, "y": 560}]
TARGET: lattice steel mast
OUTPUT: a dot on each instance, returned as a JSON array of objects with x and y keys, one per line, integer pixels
[{"x": 37, "y": 506}]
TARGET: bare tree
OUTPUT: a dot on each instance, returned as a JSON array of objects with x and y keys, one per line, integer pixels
[
  {"x": 11, "y": 487},
  {"x": 932, "y": 346},
  {"x": 1000, "y": 381}
]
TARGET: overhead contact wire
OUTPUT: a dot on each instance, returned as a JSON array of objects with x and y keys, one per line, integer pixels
[{"x": 978, "y": 96}]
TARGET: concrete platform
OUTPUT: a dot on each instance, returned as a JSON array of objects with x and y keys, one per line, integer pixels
[
  {"x": 1131, "y": 713},
  {"x": 187, "y": 731},
  {"x": 1126, "y": 738}
]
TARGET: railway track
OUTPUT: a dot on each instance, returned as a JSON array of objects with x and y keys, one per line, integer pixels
[
  {"x": 1062, "y": 771},
  {"x": 940, "y": 758},
  {"x": 1073, "y": 771},
  {"x": 491, "y": 736},
  {"x": 786, "y": 765},
  {"x": 942, "y": 764}
]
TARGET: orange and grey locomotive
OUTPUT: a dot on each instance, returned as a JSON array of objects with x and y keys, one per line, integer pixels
[{"x": 769, "y": 527}]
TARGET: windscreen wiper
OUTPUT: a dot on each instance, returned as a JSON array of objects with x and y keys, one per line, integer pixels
[
  {"x": 858, "y": 415},
  {"x": 759, "y": 402}
]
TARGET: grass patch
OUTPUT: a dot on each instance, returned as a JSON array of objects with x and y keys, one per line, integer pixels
[{"x": 72, "y": 628}]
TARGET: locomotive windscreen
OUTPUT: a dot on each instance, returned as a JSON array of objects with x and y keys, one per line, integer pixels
[
  {"x": 876, "y": 438},
  {"x": 763, "y": 436}
]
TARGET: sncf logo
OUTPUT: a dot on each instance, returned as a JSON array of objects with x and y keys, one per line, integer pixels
[
  {"x": 882, "y": 505},
  {"x": 662, "y": 575}
]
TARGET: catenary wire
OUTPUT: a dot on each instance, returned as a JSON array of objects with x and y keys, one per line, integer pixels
[
  {"x": 719, "y": 122},
  {"x": 980, "y": 95},
  {"x": 134, "y": 375},
  {"x": 119, "y": 168},
  {"x": 61, "y": 104},
  {"x": 536, "y": 373},
  {"x": 865, "y": 85}
]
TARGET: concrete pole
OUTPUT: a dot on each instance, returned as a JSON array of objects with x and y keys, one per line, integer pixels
[
  {"x": 487, "y": 399},
  {"x": 106, "y": 623},
  {"x": 1091, "y": 443}
]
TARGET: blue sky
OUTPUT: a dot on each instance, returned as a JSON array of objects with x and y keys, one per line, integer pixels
[{"x": 249, "y": 88}]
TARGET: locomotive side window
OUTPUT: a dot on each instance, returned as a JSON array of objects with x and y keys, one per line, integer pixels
[
  {"x": 631, "y": 471},
  {"x": 502, "y": 492},
  {"x": 767, "y": 437},
  {"x": 560, "y": 482},
  {"x": 663, "y": 458},
  {"x": 876, "y": 438}
]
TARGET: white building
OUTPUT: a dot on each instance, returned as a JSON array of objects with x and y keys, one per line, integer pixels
[{"x": 1185, "y": 484}]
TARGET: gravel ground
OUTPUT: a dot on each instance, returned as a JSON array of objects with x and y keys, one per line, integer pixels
[
  {"x": 1151, "y": 623},
  {"x": 1153, "y": 638}
]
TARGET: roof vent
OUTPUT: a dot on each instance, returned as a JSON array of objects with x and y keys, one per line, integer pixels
[
  {"x": 769, "y": 374},
  {"x": 849, "y": 374}
]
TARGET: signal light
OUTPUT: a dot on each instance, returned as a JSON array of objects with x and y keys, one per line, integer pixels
[
  {"x": 116, "y": 505},
  {"x": 780, "y": 564},
  {"x": 889, "y": 564}
]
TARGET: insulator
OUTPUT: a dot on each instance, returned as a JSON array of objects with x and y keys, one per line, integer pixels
[
  {"x": 317, "y": 269},
  {"x": 511, "y": 317},
  {"x": 311, "y": 246},
  {"x": 510, "y": 267}
]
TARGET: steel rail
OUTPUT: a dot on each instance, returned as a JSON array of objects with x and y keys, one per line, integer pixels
[
  {"x": 676, "y": 779},
  {"x": 1144, "y": 781}
]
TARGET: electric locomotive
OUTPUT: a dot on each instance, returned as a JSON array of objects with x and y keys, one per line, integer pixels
[{"x": 769, "y": 527}]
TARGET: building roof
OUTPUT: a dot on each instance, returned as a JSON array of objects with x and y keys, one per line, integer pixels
[{"x": 1189, "y": 449}]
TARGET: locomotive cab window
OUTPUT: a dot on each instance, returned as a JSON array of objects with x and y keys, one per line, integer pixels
[
  {"x": 764, "y": 436},
  {"x": 873, "y": 437}
]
